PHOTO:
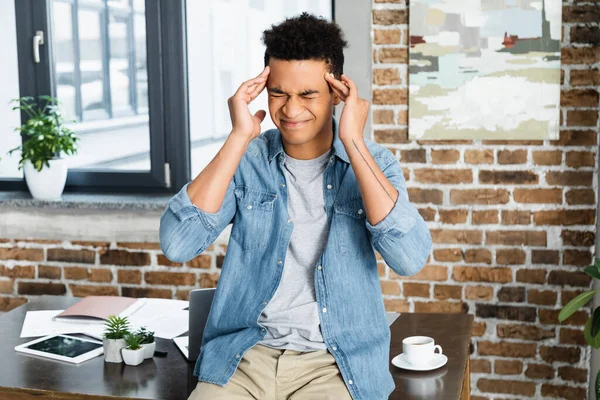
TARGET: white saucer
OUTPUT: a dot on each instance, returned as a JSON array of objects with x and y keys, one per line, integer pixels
[{"x": 438, "y": 360}]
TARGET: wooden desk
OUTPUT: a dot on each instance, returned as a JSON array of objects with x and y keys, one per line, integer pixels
[{"x": 27, "y": 377}]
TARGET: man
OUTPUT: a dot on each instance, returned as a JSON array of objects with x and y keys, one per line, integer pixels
[{"x": 298, "y": 311}]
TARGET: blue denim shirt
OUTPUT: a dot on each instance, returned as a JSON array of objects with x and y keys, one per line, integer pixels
[{"x": 352, "y": 314}]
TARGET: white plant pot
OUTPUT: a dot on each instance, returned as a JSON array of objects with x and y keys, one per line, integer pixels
[
  {"x": 133, "y": 357},
  {"x": 112, "y": 350},
  {"x": 49, "y": 183},
  {"x": 149, "y": 349}
]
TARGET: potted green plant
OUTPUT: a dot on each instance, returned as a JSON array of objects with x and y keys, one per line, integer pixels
[
  {"x": 116, "y": 329},
  {"x": 591, "y": 330},
  {"x": 147, "y": 341},
  {"x": 46, "y": 142},
  {"x": 133, "y": 353}
]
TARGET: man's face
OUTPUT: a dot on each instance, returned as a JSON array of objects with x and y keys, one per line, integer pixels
[{"x": 300, "y": 103}]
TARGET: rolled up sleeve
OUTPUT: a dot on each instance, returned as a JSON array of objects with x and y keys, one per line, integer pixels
[
  {"x": 402, "y": 237},
  {"x": 186, "y": 231}
]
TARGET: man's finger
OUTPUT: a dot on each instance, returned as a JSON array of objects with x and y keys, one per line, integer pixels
[
  {"x": 352, "y": 89},
  {"x": 338, "y": 85}
]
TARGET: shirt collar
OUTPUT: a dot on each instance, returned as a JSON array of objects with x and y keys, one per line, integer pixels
[{"x": 276, "y": 146}]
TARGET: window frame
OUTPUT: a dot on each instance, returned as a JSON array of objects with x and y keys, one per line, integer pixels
[{"x": 167, "y": 74}]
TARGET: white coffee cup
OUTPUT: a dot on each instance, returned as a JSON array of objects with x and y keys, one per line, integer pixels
[{"x": 419, "y": 350}]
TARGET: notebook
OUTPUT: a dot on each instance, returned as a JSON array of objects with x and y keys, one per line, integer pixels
[{"x": 99, "y": 308}]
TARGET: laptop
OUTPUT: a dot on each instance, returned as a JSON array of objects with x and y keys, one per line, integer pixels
[{"x": 199, "y": 306}]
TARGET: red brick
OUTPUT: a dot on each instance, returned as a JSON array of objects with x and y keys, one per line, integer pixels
[
  {"x": 129, "y": 276},
  {"x": 428, "y": 273},
  {"x": 516, "y": 217},
  {"x": 390, "y": 287},
  {"x": 479, "y": 292},
  {"x": 72, "y": 256},
  {"x": 448, "y": 254},
  {"x": 569, "y": 278},
  {"x": 443, "y": 176},
  {"x": 453, "y": 216},
  {"x": 170, "y": 278},
  {"x": 49, "y": 272},
  {"x": 458, "y": 236},
  {"x": 39, "y": 288},
  {"x": 580, "y": 197},
  {"x": 390, "y": 17},
  {"x": 18, "y": 271},
  {"x": 396, "y": 305},
  {"x": 480, "y": 367},
  {"x": 445, "y": 292},
  {"x": 412, "y": 289},
  {"x": 202, "y": 261},
  {"x": 445, "y": 156},
  {"x": 89, "y": 290},
  {"x": 508, "y": 177},
  {"x": 545, "y": 257},
  {"x": 516, "y": 238},
  {"x": 9, "y": 303},
  {"x": 508, "y": 367},
  {"x": 552, "y": 157},
  {"x": 541, "y": 297},
  {"x": 572, "y": 336},
  {"x": 444, "y": 307},
  {"x": 124, "y": 257},
  {"x": 573, "y": 374},
  {"x": 482, "y": 274},
  {"x": 512, "y": 156},
  {"x": 485, "y": 217},
  {"x": 507, "y": 349},
  {"x": 139, "y": 245},
  {"x": 18, "y": 253},
  {"x": 552, "y": 354},
  {"x": 550, "y": 317},
  {"x": 417, "y": 195},
  {"x": 539, "y": 371},
  {"x": 479, "y": 196},
  {"x": 564, "y": 217},
  {"x": 479, "y": 156},
  {"x": 538, "y": 196},
  {"x": 531, "y": 275},
  {"x": 564, "y": 392},
  {"x": 138, "y": 292},
  {"x": 524, "y": 332},
  {"x": 510, "y": 256},
  {"x": 208, "y": 280},
  {"x": 578, "y": 238},
  {"x": 478, "y": 256}
]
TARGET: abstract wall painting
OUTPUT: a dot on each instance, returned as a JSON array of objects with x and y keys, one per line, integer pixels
[{"x": 484, "y": 69}]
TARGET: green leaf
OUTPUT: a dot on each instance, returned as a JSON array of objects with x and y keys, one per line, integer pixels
[
  {"x": 592, "y": 271},
  {"x": 575, "y": 305},
  {"x": 587, "y": 334},
  {"x": 596, "y": 322},
  {"x": 598, "y": 386}
]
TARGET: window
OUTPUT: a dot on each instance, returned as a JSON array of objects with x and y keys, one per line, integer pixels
[{"x": 128, "y": 72}]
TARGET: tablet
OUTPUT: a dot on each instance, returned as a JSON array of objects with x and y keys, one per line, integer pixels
[{"x": 63, "y": 347}]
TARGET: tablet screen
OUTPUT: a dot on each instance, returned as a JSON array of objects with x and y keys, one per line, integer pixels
[{"x": 64, "y": 346}]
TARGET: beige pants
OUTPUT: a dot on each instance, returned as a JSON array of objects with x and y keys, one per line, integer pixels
[{"x": 271, "y": 374}]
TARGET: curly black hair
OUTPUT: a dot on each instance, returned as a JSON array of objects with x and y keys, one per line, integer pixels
[{"x": 307, "y": 37}]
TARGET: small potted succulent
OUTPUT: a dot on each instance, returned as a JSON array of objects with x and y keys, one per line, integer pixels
[
  {"x": 116, "y": 329},
  {"x": 147, "y": 342},
  {"x": 46, "y": 142},
  {"x": 133, "y": 353}
]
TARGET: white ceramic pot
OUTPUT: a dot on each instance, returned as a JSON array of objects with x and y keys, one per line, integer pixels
[
  {"x": 133, "y": 357},
  {"x": 112, "y": 350},
  {"x": 49, "y": 183},
  {"x": 149, "y": 349}
]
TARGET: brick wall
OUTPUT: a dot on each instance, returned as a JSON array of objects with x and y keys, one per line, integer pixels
[
  {"x": 513, "y": 222},
  {"x": 30, "y": 268}
]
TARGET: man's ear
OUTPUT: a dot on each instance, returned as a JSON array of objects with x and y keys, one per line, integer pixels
[{"x": 336, "y": 99}]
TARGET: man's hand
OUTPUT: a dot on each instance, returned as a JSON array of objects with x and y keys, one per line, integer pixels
[
  {"x": 355, "y": 112},
  {"x": 245, "y": 124}
]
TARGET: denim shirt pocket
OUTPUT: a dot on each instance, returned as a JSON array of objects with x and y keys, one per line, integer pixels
[
  {"x": 254, "y": 217},
  {"x": 351, "y": 235}
]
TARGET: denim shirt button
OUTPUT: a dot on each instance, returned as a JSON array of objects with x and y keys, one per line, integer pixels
[
  {"x": 282, "y": 185},
  {"x": 237, "y": 356},
  {"x": 249, "y": 207},
  {"x": 329, "y": 186},
  {"x": 279, "y": 262},
  {"x": 324, "y": 309},
  {"x": 334, "y": 348},
  {"x": 264, "y": 303},
  {"x": 350, "y": 382},
  {"x": 319, "y": 268},
  {"x": 360, "y": 211}
]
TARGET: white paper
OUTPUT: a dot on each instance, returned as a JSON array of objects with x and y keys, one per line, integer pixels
[
  {"x": 165, "y": 326},
  {"x": 40, "y": 323},
  {"x": 182, "y": 343}
]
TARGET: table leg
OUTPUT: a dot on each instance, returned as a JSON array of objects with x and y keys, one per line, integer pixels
[{"x": 466, "y": 386}]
